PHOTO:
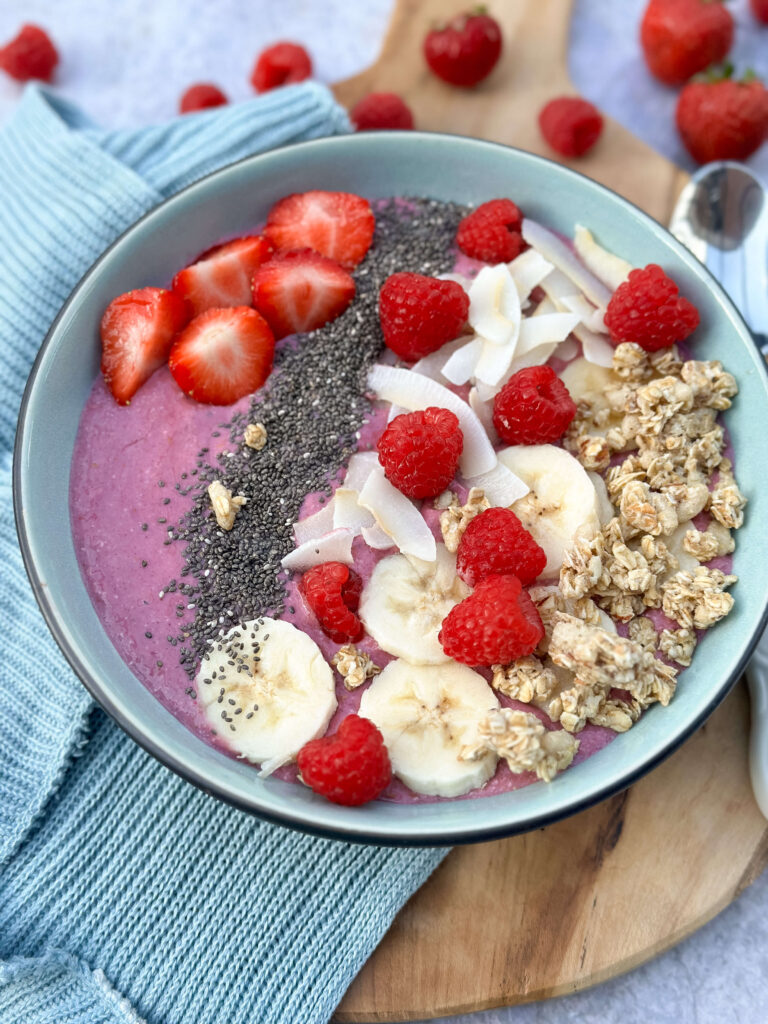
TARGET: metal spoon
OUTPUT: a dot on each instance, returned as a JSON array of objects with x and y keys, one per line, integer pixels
[{"x": 722, "y": 217}]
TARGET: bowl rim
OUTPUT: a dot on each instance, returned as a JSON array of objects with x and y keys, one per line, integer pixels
[{"x": 200, "y": 779}]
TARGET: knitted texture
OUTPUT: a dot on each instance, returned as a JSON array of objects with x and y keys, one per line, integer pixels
[{"x": 125, "y": 893}]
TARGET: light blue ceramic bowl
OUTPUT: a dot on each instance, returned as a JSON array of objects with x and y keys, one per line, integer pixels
[{"x": 410, "y": 163}]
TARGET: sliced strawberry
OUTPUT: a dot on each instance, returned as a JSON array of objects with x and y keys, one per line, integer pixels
[
  {"x": 299, "y": 291},
  {"x": 222, "y": 355},
  {"x": 222, "y": 276},
  {"x": 338, "y": 225},
  {"x": 137, "y": 331}
]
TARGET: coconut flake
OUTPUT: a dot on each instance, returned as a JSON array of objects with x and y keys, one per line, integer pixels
[
  {"x": 494, "y": 362},
  {"x": 461, "y": 366},
  {"x": 432, "y": 365},
  {"x": 611, "y": 269},
  {"x": 315, "y": 526},
  {"x": 528, "y": 270},
  {"x": 398, "y": 517},
  {"x": 347, "y": 513},
  {"x": 335, "y": 546},
  {"x": 359, "y": 469},
  {"x": 567, "y": 349},
  {"x": 594, "y": 346},
  {"x": 545, "y": 329},
  {"x": 412, "y": 391},
  {"x": 501, "y": 486},
  {"x": 484, "y": 412},
  {"x": 494, "y": 305},
  {"x": 557, "y": 252},
  {"x": 375, "y": 538},
  {"x": 536, "y": 357},
  {"x": 590, "y": 316}
]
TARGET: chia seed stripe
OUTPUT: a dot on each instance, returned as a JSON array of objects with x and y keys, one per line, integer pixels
[{"x": 312, "y": 406}]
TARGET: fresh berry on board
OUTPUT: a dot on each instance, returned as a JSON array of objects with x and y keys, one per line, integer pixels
[
  {"x": 30, "y": 54},
  {"x": 418, "y": 314},
  {"x": 332, "y": 591},
  {"x": 492, "y": 232},
  {"x": 280, "y": 64},
  {"x": 681, "y": 37},
  {"x": 223, "y": 276},
  {"x": 647, "y": 309},
  {"x": 137, "y": 331},
  {"x": 222, "y": 355},
  {"x": 201, "y": 97},
  {"x": 379, "y": 110},
  {"x": 722, "y": 119},
  {"x": 300, "y": 291},
  {"x": 350, "y": 767},
  {"x": 570, "y": 125},
  {"x": 495, "y": 543},
  {"x": 464, "y": 51},
  {"x": 420, "y": 451},
  {"x": 533, "y": 407},
  {"x": 495, "y": 625},
  {"x": 760, "y": 10},
  {"x": 338, "y": 225}
]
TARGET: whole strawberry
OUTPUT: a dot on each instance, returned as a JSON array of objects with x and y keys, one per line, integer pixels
[
  {"x": 760, "y": 10},
  {"x": 682, "y": 37},
  {"x": 722, "y": 119},
  {"x": 464, "y": 51}
]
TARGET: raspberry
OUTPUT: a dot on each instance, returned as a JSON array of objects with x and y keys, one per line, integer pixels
[
  {"x": 351, "y": 767},
  {"x": 420, "y": 451},
  {"x": 570, "y": 125},
  {"x": 380, "y": 110},
  {"x": 533, "y": 407},
  {"x": 332, "y": 591},
  {"x": 281, "y": 64},
  {"x": 492, "y": 232},
  {"x": 647, "y": 309},
  {"x": 419, "y": 314},
  {"x": 30, "y": 54},
  {"x": 497, "y": 544},
  {"x": 201, "y": 97},
  {"x": 495, "y": 625}
]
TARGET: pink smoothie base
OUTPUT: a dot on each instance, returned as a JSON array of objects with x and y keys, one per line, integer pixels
[{"x": 120, "y": 455}]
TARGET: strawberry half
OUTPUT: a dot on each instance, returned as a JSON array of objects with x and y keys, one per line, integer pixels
[
  {"x": 300, "y": 291},
  {"x": 222, "y": 276},
  {"x": 338, "y": 225},
  {"x": 222, "y": 355},
  {"x": 137, "y": 331}
]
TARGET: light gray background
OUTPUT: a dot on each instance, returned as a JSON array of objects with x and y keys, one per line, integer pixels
[{"x": 127, "y": 61}]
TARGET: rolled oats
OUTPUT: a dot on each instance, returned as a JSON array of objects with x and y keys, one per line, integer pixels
[
  {"x": 353, "y": 666},
  {"x": 697, "y": 598},
  {"x": 225, "y": 507},
  {"x": 678, "y": 645},
  {"x": 456, "y": 518},
  {"x": 524, "y": 743}
]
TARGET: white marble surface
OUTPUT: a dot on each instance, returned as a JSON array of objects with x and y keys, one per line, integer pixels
[{"x": 127, "y": 62}]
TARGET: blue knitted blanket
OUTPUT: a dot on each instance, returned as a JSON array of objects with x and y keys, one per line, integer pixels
[{"x": 125, "y": 893}]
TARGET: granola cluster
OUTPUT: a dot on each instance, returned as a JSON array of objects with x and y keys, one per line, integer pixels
[
  {"x": 455, "y": 518},
  {"x": 353, "y": 666},
  {"x": 524, "y": 743},
  {"x": 225, "y": 506},
  {"x": 653, "y": 431}
]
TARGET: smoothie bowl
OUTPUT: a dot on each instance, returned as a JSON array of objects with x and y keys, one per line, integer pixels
[{"x": 445, "y": 490}]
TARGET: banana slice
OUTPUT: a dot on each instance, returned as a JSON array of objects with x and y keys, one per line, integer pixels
[
  {"x": 404, "y": 603},
  {"x": 266, "y": 688},
  {"x": 426, "y": 714},
  {"x": 562, "y": 501},
  {"x": 586, "y": 380}
]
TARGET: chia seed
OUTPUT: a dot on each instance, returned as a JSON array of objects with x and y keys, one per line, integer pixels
[{"x": 236, "y": 573}]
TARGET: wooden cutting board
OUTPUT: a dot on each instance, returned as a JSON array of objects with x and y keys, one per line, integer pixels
[{"x": 564, "y": 907}]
